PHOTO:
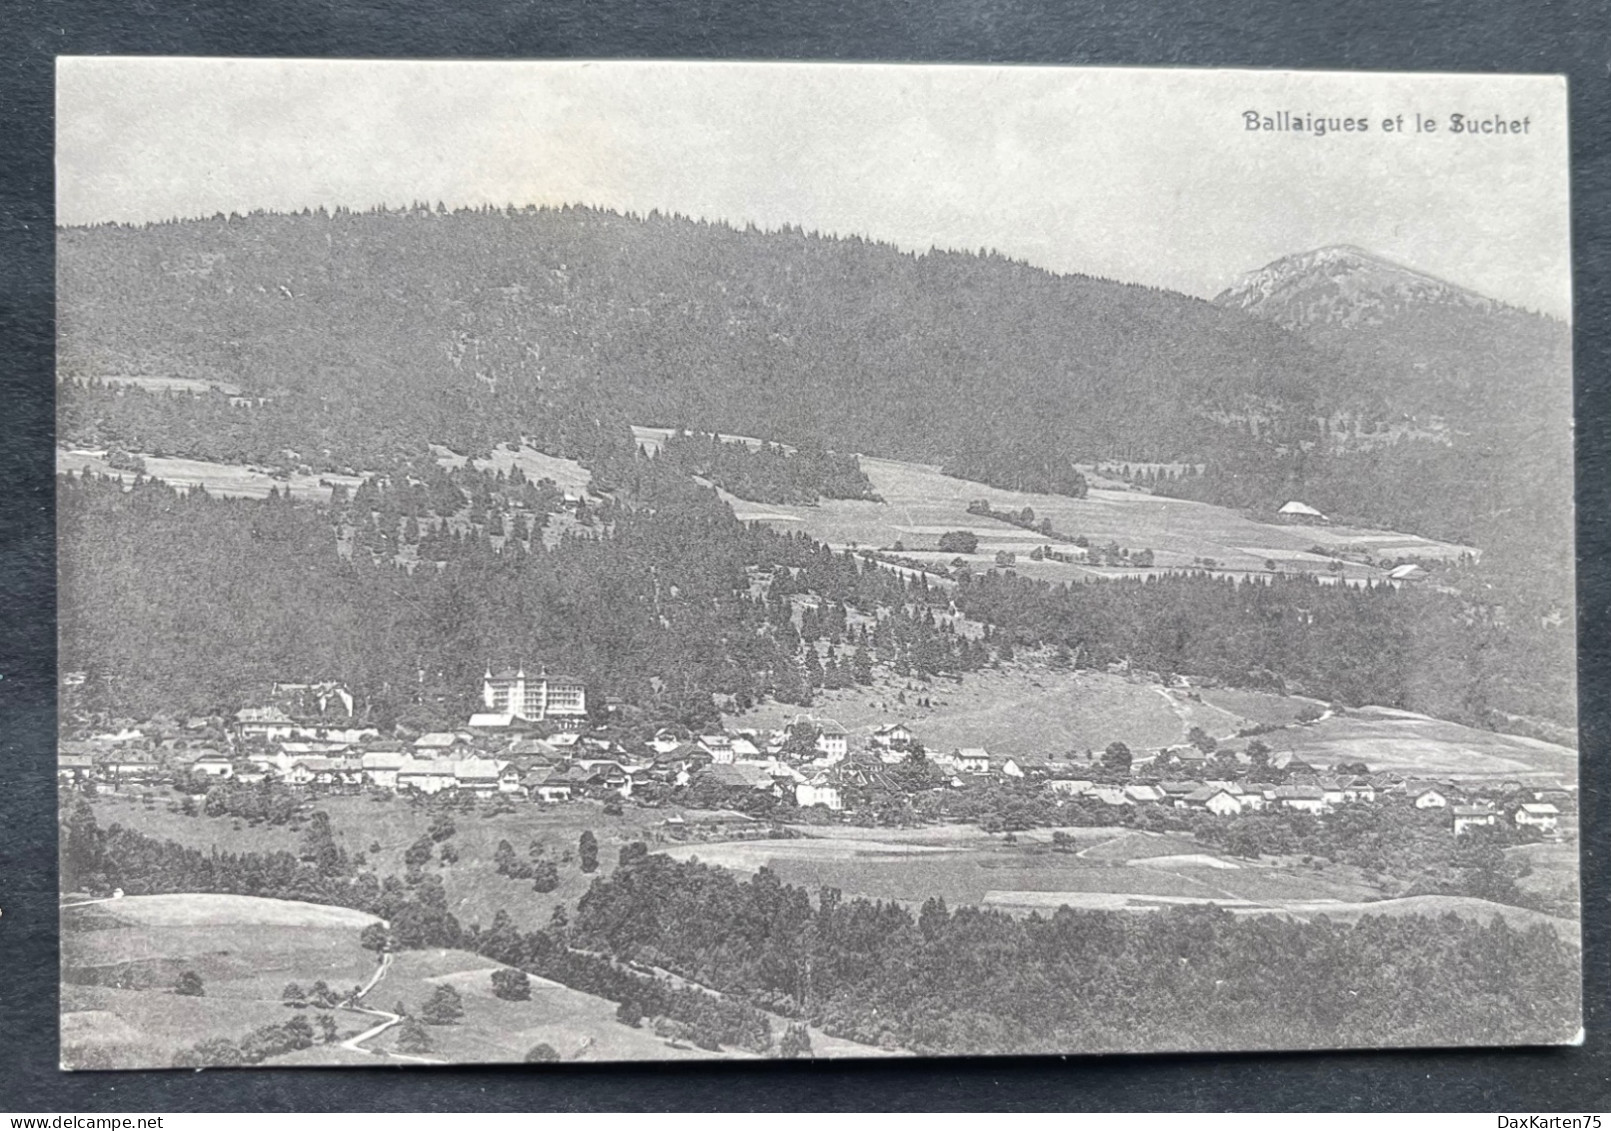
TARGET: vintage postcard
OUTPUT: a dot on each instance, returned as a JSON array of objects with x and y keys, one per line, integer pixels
[{"x": 639, "y": 561}]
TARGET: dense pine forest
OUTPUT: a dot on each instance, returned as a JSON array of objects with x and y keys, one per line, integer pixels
[
  {"x": 179, "y": 601},
  {"x": 766, "y": 473},
  {"x": 398, "y": 320}
]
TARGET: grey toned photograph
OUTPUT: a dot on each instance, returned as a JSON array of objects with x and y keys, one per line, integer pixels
[{"x": 588, "y": 561}]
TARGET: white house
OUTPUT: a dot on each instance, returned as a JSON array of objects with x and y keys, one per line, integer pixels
[
  {"x": 381, "y": 768},
  {"x": 1216, "y": 799},
  {"x": 1430, "y": 798},
  {"x": 1305, "y": 798},
  {"x": 491, "y": 720},
  {"x": 972, "y": 760},
  {"x": 1070, "y": 787},
  {"x": 428, "y": 775},
  {"x": 1539, "y": 815},
  {"x": 479, "y": 774},
  {"x": 266, "y": 723},
  {"x": 833, "y": 741},
  {"x": 718, "y": 746},
  {"x": 213, "y": 764},
  {"x": 892, "y": 734},
  {"x": 818, "y": 791},
  {"x": 1473, "y": 816}
]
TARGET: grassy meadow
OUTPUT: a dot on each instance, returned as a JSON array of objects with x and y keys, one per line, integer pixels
[
  {"x": 920, "y": 504},
  {"x": 475, "y": 891},
  {"x": 121, "y": 959}
]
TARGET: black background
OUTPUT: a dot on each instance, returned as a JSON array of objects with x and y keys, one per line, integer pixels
[{"x": 1381, "y": 35}]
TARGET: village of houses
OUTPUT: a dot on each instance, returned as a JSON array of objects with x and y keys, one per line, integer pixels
[{"x": 307, "y": 737}]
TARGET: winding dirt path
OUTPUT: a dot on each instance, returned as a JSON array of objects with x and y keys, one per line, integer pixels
[{"x": 388, "y": 1019}]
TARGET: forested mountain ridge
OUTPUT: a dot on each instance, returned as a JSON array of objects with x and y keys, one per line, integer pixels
[
  {"x": 1462, "y": 421},
  {"x": 1381, "y": 396},
  {"x": 1425, "y": 346},
  {"x": 783, "y": 335}
]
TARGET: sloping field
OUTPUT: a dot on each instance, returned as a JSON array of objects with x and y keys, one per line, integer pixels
[
  {"x": 1253, "y": 707},
  {"x": 121, "y": 959},
  {"x": 1416, "y": 745},
  {"x": 920, "y": 504},
  {"x": 226, "y": 479},
  {"x": 474, "y": 889},
  {"x": 209, "y": 910},
  {"x": 567, "y": 474},
  {"x": 1025, "y": 709},
  {"x": 991, "y": 870},
  {"x": 578, "y": 1026}
]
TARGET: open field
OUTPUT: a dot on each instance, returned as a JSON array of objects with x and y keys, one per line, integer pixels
[
  {"x": 920, "y": 504},
  {"x": 579, "y": 1026},
  {"x": 1258, "y": 707},
  {"x": 567, "y": 474},
  {"x": 979, "y": 869},
  {"x": 1411, "y": 744},
  {"x": 121, "y": 958},
  {"x": 226, "y": 479},
  {"x": 474, "y": 889},
  {"x": 1117, "y": 870},
  {"x": 1024, "y": 709}
]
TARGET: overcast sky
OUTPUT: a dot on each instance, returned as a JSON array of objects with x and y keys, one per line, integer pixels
[{"x": 1141, "y": 175}]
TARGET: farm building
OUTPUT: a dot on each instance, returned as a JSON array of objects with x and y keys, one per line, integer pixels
[
  {"x": 972, "y": 760},
  {"x": 266, "y": 723},
  {"x": 1473, "y": 816},
  {"x": 213, "y": 764},
  {"x": 1307, "y": 798},
  {"x": 892, "y": 734},
  {"x": 74, "y": 767},
  {"x": 1220, "y": 802},
  {"x": 381, "y": 768},
  {"x": 1295, "y": 511},
  {"x": 1430, "y": 798},
  {"x": 1539, "y": 815}
]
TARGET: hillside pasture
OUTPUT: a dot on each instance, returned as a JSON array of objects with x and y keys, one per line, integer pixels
[
  {"x": 121, "y": 959},
  {"x": 224, "y": 479},
  {"x": 1415, "y": 745},
  {"x": 474, "y": 890},
  {"x": 984, "y": 870},
  {"x": 579, "y": 1026},
  {"x": 567, "y": 474},
  {"x": 920, "y": 504},
  {"x": 1022, "y": 710}
]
